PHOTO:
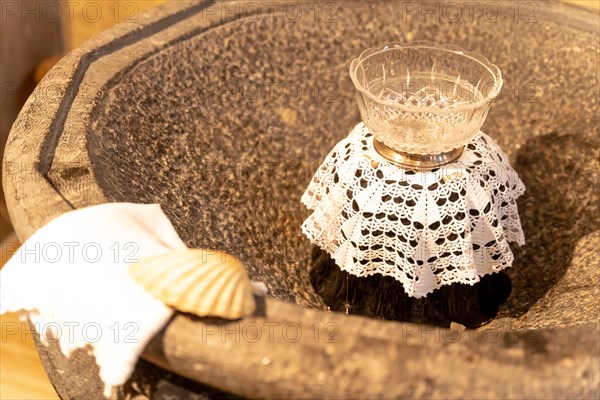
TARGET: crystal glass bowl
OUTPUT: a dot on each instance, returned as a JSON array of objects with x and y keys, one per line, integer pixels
[{"x": 424, "y": 99}]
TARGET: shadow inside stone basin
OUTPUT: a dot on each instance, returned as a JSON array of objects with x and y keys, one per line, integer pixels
[{"x": 559, "y": 207}]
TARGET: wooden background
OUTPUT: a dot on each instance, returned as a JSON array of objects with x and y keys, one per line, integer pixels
[{"x": 21, "y": 374}]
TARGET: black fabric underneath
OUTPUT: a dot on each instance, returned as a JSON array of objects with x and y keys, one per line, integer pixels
[{"x": 384, "y": 297}]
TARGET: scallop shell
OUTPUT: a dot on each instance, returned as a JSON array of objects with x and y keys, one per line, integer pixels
[{"x": 202, "y": 282}]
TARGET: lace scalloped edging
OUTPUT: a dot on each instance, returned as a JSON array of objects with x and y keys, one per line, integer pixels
[{"x": 426, "y": 229}]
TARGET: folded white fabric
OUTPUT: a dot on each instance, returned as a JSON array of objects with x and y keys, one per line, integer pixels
[
  {"x": 426, "y": 229},
  {"x": 71, "y": 279}
]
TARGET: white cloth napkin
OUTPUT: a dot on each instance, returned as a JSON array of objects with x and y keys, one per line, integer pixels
[{"x": 71, "y": 279}]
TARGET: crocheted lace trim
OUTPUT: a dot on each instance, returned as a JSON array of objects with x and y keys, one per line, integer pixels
[{"x": 426, "y": 229}]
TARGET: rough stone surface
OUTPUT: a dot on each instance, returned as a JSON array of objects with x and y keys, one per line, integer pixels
[
  {"x": 233, "y": 154},
  {"x": 223, "y": 119}
]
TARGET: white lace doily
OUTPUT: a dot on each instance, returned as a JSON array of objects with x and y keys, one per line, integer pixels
[{"x": 426, "y": 229}]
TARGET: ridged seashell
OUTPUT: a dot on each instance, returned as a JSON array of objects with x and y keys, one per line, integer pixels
[{"x": 202, "y": 282}]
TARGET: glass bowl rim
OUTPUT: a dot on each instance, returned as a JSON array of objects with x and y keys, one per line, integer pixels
[{"x": 477, "y": 57}]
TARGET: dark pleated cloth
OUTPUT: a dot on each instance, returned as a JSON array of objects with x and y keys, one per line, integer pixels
[{"x": 384, "y": 297}]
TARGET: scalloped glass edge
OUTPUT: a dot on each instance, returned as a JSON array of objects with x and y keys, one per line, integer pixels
[{"x": 478, "y": 57}]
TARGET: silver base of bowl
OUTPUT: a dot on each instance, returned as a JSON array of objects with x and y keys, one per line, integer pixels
[{"x": 416, "y": 161}]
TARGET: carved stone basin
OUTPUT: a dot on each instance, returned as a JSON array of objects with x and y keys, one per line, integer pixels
[{"x": 222, "y": 112}]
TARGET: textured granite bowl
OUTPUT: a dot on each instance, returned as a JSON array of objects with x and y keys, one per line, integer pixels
[{"x": 221, "y": 113}]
